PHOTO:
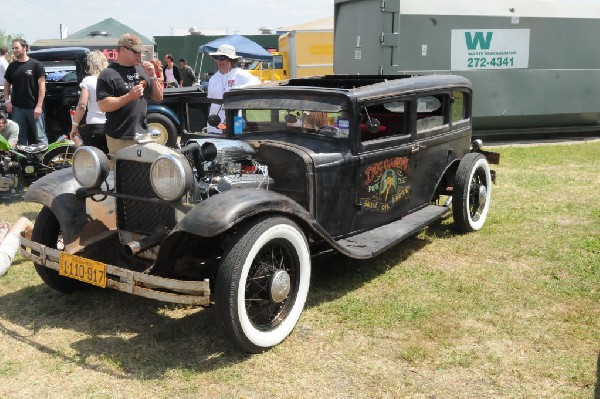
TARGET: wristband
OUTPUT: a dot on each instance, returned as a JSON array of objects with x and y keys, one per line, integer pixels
[{"x": 75, "y": 124}]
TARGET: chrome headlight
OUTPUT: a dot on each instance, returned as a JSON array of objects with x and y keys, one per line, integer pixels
[
  {"x": 90, "y": 166},
  {"x": 170, "y": 177}
]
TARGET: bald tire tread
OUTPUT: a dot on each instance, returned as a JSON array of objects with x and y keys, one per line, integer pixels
[
  {"x": 46, "y": 231},
  {"x": 473, "y": 171},
  {"x": 234, "y": 318}
]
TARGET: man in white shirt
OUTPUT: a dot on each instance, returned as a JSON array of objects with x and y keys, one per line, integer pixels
[
  {"x": 9, "y": 130},
  {"x": 228, "y": 77}
]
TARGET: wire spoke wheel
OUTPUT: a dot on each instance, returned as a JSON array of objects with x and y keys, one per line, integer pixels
[
  {"x": 477, "y": 195},
  {"x": 472, "y": 193},
  {"x": 60, "y": 157},
  {"x": 262, "y": 283},
  {"x": 268, "y": 286}
]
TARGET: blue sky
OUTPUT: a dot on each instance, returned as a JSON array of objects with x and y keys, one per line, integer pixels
[{"x": 41, "y": 19}]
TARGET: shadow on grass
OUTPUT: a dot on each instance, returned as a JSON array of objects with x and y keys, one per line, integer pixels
[
  {"x": 125, "y": 336},
  {"x": 131, "y": 337},
  {"x": 336, "y": 275}
]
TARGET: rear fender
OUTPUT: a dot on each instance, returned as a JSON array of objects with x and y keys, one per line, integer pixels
[
  {"x": 82, "y": 221},
  {"x": 446, "y": 180}
]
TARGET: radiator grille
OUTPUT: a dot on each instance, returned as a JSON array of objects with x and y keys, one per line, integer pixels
[{"x": 133, "y": 178}]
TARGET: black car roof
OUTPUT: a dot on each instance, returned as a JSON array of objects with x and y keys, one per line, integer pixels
[
  {"x": 358, "y": 87},
  {"x": 49, "y": 54}
]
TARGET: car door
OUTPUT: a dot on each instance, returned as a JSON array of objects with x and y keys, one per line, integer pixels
[
  {"x": 384, "y": 178},
  {"x": 434, "y": 142}
]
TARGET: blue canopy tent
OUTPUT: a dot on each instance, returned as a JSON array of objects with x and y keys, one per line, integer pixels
[{"x": 244, "y": 47}]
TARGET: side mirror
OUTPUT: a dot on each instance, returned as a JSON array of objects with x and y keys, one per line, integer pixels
[
  {"x": 214, "y": 120},
  {"x": 373, "y": 125}
]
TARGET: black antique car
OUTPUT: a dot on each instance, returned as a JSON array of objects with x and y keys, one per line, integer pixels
[
  {"x": 65, "y": 68},
  {"x": 182, "y": 110},
  {"x": 346, "y": 164}
]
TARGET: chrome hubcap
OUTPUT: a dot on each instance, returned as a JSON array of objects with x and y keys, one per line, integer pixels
[
  {"x": 482, "y": 194},
  {"x": 280, "y": 286}
]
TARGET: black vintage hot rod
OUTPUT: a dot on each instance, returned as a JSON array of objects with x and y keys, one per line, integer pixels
[{"x": 347, "y": 164}]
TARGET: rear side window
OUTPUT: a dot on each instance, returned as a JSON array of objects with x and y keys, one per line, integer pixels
[
  {"x": 431, "y": 112},
  {"x": 459, "y": 106}
]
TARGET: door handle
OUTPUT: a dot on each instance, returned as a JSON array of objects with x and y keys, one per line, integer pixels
[{"x": 417, "y": 148}]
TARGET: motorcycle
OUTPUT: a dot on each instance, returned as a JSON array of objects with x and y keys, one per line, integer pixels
[{"x": 22, "y": 165}]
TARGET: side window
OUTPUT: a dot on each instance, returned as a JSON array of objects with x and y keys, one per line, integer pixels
[
  {"x": 278, "y": 62},
  {"x": 460, "y": 102},
  {"x": 386, "y": 120},
  {"x": 431, "y": 112}
]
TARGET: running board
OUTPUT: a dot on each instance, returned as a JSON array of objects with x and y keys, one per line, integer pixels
[{"x": 373, "y": 242}]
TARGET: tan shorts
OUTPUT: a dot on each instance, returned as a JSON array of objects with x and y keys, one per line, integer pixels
[{"x": 115, "y": 145}]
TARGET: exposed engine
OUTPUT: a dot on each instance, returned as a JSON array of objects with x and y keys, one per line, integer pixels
[
  {"x": 202, "y": 169},
  {"x": 222, "y": 165}
]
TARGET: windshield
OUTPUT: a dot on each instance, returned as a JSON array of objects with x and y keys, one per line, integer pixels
[
  {"x": 331, "y": 124},
  {"x": 60, "y": 71}
]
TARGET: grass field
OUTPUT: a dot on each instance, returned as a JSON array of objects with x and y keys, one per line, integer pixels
[{"x": 512, "y": 311}]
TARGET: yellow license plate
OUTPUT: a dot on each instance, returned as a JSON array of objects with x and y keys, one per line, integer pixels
[{"x": 82, "y": 269}]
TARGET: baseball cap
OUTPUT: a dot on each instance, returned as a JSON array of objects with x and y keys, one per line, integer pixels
[
  {"x": 132, "y": 42},
  {"x": 227, "y": 50}
]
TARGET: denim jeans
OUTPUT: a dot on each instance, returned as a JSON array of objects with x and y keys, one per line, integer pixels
[{"x": 27, "y": 123}]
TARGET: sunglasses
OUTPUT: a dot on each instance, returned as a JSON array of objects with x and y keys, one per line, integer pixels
[
  {"x": 130, "y": 49},
  {"x": 220, "y": 57}
]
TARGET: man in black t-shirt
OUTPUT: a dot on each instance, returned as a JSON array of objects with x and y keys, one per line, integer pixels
[
  {"x": 24, "y": 90},
  {"x": 122, "y": 91}
]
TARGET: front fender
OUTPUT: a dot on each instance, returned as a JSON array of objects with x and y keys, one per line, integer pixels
[
  {"x": 224, "y": 211},
  {"x": 221, "y": 212},
  {"x": 57, "y": 191},
  {"x": 163, "y": 110}
]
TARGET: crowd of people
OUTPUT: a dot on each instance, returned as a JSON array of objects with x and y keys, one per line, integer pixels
[
  {"x": 113, "y": 97},
  {"x": 113, "y": 101}
]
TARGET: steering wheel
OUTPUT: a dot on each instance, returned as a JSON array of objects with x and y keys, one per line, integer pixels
[{"x": 329, "y": 130}]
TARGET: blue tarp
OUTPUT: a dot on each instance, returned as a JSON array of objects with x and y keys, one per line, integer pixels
[{"x": 243, "y": 47}]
